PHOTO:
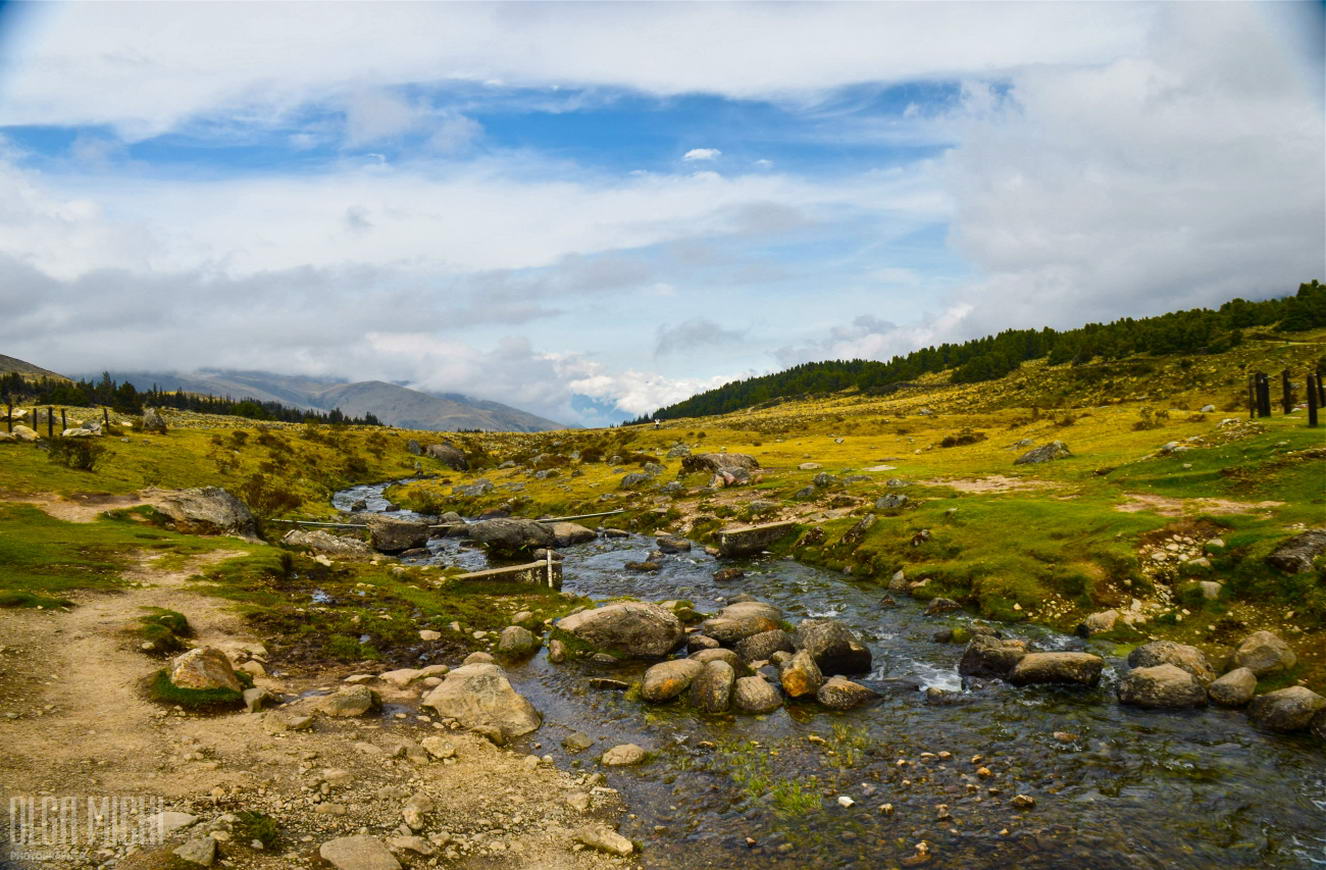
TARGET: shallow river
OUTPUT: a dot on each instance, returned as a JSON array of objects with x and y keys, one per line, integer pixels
[{"x": 1114, "y": 787}]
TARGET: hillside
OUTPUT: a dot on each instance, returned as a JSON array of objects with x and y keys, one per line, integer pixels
[{"x": 9, "y": 364}]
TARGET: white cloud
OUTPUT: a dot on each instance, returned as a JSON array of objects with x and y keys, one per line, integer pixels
[{"x": 702, "y": 154}]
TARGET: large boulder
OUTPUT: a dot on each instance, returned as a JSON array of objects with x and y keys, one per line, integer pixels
[
  {"x": 25, "y": 433},
  {"x": 835, "y": 648},
  {"x": 1289, "y": 709},
  {"x": 204, "y": 668},
  {"x": 741, "y": 620},
  {"x": 153, "y": 421},
  {"x": 1057, "y": 668},
  {"x": 480, "y": 697},
  {"x": 396, "y": 536},
  {"x": 714, "y": 462},
  {"x": 1164, "y": 687},
  {"x": 800, "y": 676},
  {"x": 208, "y": 510},
  {"x": 759, "y": 647},
  {"x": 1295, "y": 555},
  {"x": 634, "y": 628},
  {"x": 1263, "y": 652},
  {"x": 510, "y": 536},
  {"x": 711, "y": 691},
  {"x": 1044, "y": 453},
  {"x": 1234, "y": 689},
  {"x": 1162, "y": 652},
  {"x": 567, "y": 534},
  {"x": 755, "y": 695},
  {"x": 358, "y": 853},
  {"x": 324, "y": 542},
  {"x": 840, "y": 693},
  {"x": 990, "y": 656},
  {"x": 516, "y": 641},
  {"x": 666, "y": 680},
  {"x": 449, "y": 456}
]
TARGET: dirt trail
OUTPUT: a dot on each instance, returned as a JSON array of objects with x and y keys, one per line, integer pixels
[
  {"x": 1177, "y": 507},
  {"x": 81, "y": 507}
]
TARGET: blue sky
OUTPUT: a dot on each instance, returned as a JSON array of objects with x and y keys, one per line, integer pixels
[{"x": 590, "y": 210}]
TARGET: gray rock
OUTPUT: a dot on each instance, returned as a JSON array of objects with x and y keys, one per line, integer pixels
[
  {"x": 577, "y": 741},
  {"x": 413, "y": 448},
  {"x": 604, "y": 839},
  {"x": 199, "y": 850},
  {"x": 1263, "y": 652},
  {"x": 319, "y": 541},
  {"x": 517, "y": 641},
  {"x": 714, "y": 462},
  {"x": 755, "y": 695},
  {"x": 1160, "y": 652},
  {"x": 988, "y": 656},
  {"x": 711, "y": 690},
  {"x": 635, "y": 480},
  {"x": 1164, "y": 686},
  {"x": 395, "y": 536},
  {"x": 1057, "y": 668},
  {"x": 1234, "y": 689},
  {"x": 823, "y": 480},
  {"x": 759, "y": 647},
  {"x": 835, "y": 648},
  {"x": 449, "y": 456},
  {"x": 209, "y": 510},
  {"x": 677, "y": 451},
  {"x": 705, "y": 656},
  {"x": 510, "y": 536},
  {"x": 672, "y": 544},
  {"x": 358, "y": 853},
  {"x": 153, "y": 421},
  {"x": 350, "y": 701},
  {"x": 1296, "y": 555},
  {"x": 255, "y": 698},
  {"x": 1100, "y": 622},
  {"x": 1044, "y": 453},
  {"x": 1291, "y": 709},
  {"x": 840, "y": 693},
  {"x": 479, "y": 696},
  {"x": 941, "y": 605},
  {"x": 204, "y": 668},
  {"x": 666, "y": 680},
  {"x": 892, "y": 501},
  {"x": 474, "y": 490},
  {"x": 569, "y": 534},
  {"x": 634, "y": 628},
  {"x": 623, "y": 755},
  {"x": 741, "y": 620},
  {"x": 696, "y": 642},
  {"x": 800, "y": 676}
]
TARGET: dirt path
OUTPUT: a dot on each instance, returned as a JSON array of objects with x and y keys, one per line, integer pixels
[
  {"x": 1178, "y": 507},
  {"x": 74, "y": 721},
  {"x": 79, "y": 508}
]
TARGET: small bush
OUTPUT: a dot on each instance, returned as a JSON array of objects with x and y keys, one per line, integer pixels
[
  {"x": 250, "y": 826},
  {"x": 966, "y": 436},
  {"x": 80, "y": 454}
]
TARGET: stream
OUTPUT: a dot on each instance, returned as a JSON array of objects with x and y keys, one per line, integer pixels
[{"x": 1115, "y": 787}]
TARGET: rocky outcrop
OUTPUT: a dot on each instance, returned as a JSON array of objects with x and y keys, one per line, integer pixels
[
  {"x": 510, "y": 536},
  {"x": 396, "y": 536},
  {"x": 835, "y": 648},
  {"x": 713, "y": 462},
  {"x": 1164, "y": 686},
  {"x": 1263, "y": 653},
  {"x": 1044, "y": 453},
  {"x": 738, "y": 621},
  {"x": 1234, "y": 689},
  {"x": 633, "y": 628},
  {"x": 755, "y": 695},
  {"x": 208, "y": 510},
  {"x": 480, "y": 697},
  {"x": 319, "y": 541},
  {"x": 1057, "y": 668},
  {"x": 153, "y": 421},
  {"x": 1289, "y": 709},
  {"x": 990, "y": 656},
  {"x": 449, "y": 456},
  {"x": 204, "y": 668},
  {"x": 711, "y": 690},
  {"x": 1161, "y": 652},
  {"x": 667, "y": 680},
  {"x": 840, "y": 693},
  {"x": 1296, "y": 555}
]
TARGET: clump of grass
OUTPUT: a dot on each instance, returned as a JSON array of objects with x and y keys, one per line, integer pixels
[
  {"x": 163, "y": 691},
  {"x": 793, "y": 798},
  {"x": 80, "y": 454},
  {"x": 251, "y": 825},
  {"x": 164, "y": 630}
]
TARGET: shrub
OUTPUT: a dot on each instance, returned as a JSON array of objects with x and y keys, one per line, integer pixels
[
  {"x": 966, "y": 436},
  {"x": 81, "y": 454}
]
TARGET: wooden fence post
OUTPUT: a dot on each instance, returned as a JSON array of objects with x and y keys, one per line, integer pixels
[
  {"x": 1313, "y": 382},
  {"x": 1286, "y": 392},
  {"x": 50, "y": 423},
  {"x": 105, "y": 412},
  {"x": 9, "y": 418},
  {"x": 1252, "y": 396},
  {"x": 1263, "y": 395},
  {"x": 64, "y": 423}
]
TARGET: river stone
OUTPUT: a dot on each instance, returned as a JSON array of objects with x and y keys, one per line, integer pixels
[
  {"x": 1161, "y": 687},
  {"x": 739, "y": 666},
  {"x": 696, "y": 642},
  {"x": 324, "y": 542},
  {"x": 1234, "y": 689},
  {"x": 1289, "y": 709},
  {"x": 1044, "y": 453},
  {"x": 395, "y": 536},
  {"x": 350, "y": 701},
  {"x": 479, "y": 696},
  {"x": 1295, "y": 556},
  {"x": 516, "y": 641},
  {"x": 604, "y": 840},
  {"x": 204, "y": 668},
  {"x": 635, "y": 628},
  {"x": 759, "y": 647},
  {"x": 1161, "y": 652},
  {"x": 358, "y": 853},
  {"x": 449, "y": 455},
  {"x": 835, "y": 648},
  {"x": 666, "y": 680},
  {"x": 755, "y": 695},
  {"x": 1057, "y": 668},
  {"x": 840, "y": 693},
  {"x": 672, "y": 544},
  {"x": 711, "y": 690},
  {"x": 740, "y": 620},
  {"x": 509, "y": 536},
  {"x": 568, "y": 534},
  {"x": 209, "y": 510},
  {"x": 623, "y": 754},
  {"x": 1263, "y": 652},
  {"x": 800, "y": 675},
  {"x": 989, "y": 656},
  {"x": 577, "y": 741},
  {"x": 479, "y": 658}
]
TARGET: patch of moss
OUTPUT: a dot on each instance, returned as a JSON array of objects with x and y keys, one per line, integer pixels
[{"x": 163, "y": 691}]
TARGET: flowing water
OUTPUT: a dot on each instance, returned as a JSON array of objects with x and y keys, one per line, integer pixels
[{"x": 1114, "y": 787}]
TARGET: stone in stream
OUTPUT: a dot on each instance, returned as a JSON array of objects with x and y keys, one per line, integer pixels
[
  {"x": 835, "y": 648},
  {"x": 577, "y": 741},
  {"x": 350, "y": 701},
  {"x": 800, "y": 676},
  {"x": 755, "y": 695},
  {"x": 1289, "y": 709},
  {"x": 604, "y": 839},
  {"x": 741, "y": 620},
  {"x": 510, "y": 536},
  {"x": 941, "y": 605},
  {"x": 711, "y": 690},
  {"x": 394, "y": 536},
  {"x": 840, "y": 693},
  {"x": 666, "y": 680},
  {"x": 1161, "y": 687},
  {"x": 623, "y": 754},
  {"x": 324, "y": 542},
  {"x": 634, "y": 628},
  {"x": 1057, "y": 668},
  {"x": 567, "y": 534},
  {"x": 1161, "y": 652},
  {"x": 204, "y": 667},
  {"x": 696, "y": 642},
  {"x": 672, "y": 544},
  {"x": 723, "y": 575},
  {"x": 1263, "y": 652},
  {"x": 1296, "y": 555},
  {"x": 556, "y": 651},
  {"x": 989, "y": 656},
  {"x": 517, "y": 641},
  {"x": 358, "y": 853},
  {"x": 479, "y": 696},
  {"x": 1234, "y": 689},
  {"x": 739, "y": 666},
  {"x": 759, "y": 647}
]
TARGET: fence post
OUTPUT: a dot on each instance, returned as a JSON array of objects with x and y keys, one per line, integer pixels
[
  {"x": 50, "y": 423},
  {"x": 105, "y": 415},
  {"x": 1286, "y": 392},
  {"x": 1263, "y": 395},
  {"x": 64, "y": 423},
  {"x": 9, "y": 418},
  {"x": 1321, "y": 389},
  {"x": 1252, "y": 396},
  {"x": 1313, "y": 383}
]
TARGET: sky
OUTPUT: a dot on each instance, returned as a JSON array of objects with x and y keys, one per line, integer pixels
[{"x": 591, "y": 210}]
